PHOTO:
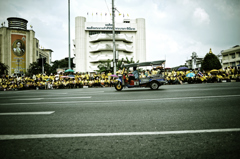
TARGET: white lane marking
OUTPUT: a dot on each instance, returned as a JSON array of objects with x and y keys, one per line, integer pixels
[
  {"x": 118, "y": 101},
  {"x": 67, "y": 97},
  {"x": 51, "y": 98},
  {"x": 28, "y": 113},
  {"x": 38, "y": 136},
  {"x": 28, "y": 99}
]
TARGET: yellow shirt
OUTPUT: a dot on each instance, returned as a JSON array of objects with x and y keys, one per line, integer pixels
[{"x": 87, "y": 76}]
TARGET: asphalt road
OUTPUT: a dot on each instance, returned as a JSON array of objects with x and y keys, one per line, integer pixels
[{"x": 176, "y": 121}]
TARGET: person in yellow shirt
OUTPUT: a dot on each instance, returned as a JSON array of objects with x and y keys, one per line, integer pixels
[
  {"x": 4, "y": 86},
  {"x": 168, "y": 79},
  {"x": 102, "y": 82},
  {"x": 65, "y": 84},
  {"x": 91, "y": 83},
  {"x": 103, "y": 75},
  {"x": 153, "y": 72},
  {"x": 52, "y": 76},
  {"x": 112, "y": 82},
  {"x": 142, "y": 75},
  {"x": 219, "y": 77},
  {"x": 109, "y": 75},
  {"x": 87, "y": 76},
  {"x": 86, "y": 82},
  {"x": 96, "y": 82},
  {"x": 1, "y": 88},
  {"x": 83, "y": 76},
  {"x": 71, "y": 85}
]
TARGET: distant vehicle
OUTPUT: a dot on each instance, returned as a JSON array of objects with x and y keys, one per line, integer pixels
[{"x": 128, "y": 80}]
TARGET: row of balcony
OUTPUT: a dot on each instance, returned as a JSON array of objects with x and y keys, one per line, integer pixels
[
  {"x": 100, "y": 57},
  {"x": 106, "y": 37},
  {"x": 231, "y": 58},
  {"x": 109, "y": 47}
]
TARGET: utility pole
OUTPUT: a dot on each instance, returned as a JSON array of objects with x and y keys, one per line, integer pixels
[
  {"x": 42, "y": 66},
  {"x": 69, "y": 44},
  {"x": 114, "y": 47}
]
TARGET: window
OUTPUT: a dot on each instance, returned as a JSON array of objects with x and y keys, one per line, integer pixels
[
  {"x": 106, "y": 32},
  {"x": 37, "y": 53},
  {"x": 225, "y": 57},
  {"x": 37, "y": 44},
  {"x": 94, "y": 32},
  {"x": 233, "y": 56},
  {"x": 233, "y": 64},
  {"x": 126, "y": 22},
  {"x": 110, "y": 32},
  {"x": 238, "y": 54}
]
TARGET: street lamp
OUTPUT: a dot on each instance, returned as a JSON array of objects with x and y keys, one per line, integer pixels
[
  {"x": 69, "y": 44},
  {"x": 114, "y": 48}
]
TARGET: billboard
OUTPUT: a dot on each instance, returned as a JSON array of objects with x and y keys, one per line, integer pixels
[{"x": 18, "y": 53}]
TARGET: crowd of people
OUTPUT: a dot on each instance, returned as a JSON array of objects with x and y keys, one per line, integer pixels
[
  {"x": 56, "y": 81},
  {"x": 179, "y": 77},
  {"x": 80, "y": 80}
]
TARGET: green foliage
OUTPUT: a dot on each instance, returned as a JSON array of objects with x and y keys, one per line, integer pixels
[
  {"x": 3, "y": 68},
  {"x": 210, "y": 62},
  {"x": 61, "y": 64},
  {"x": 34, "y": 68},
  {"x": 106, "y": 65}
]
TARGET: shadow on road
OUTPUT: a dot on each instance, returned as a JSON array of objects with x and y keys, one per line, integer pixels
[{"x": 139, "y": 90}]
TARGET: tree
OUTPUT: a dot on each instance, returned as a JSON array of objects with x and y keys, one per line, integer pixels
[
  {"x": 104, "y": 66},
  {"x": 210, "y": 62},
  {"x": 3, "y": 68},
  {"x": 35, "y": 68},
  {"x": 61, "y": 64}
]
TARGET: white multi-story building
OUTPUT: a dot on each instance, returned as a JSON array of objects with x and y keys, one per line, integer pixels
[
  {"x": 231, "y": 57},
  {"x": 194, "y": 62},
  {"x": 94, "y": 42}
]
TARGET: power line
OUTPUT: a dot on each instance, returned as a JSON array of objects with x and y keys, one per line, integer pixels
[{"x": 107, "y": 7}]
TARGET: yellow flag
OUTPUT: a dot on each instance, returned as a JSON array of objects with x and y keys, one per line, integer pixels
[
  {"x": 127, "y": 15},
  {"x": 120, "y": 14}
]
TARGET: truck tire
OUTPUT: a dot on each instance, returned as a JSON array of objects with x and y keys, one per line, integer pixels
[{"x": 154, "y": 85}]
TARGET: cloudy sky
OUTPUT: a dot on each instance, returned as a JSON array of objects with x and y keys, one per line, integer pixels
[{"x": 174, "y": 28}]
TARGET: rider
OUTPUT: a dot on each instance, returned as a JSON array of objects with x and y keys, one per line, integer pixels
[{"x": 135, "y": 73}]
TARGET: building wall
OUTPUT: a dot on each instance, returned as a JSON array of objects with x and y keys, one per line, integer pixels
[
  {"x": 80, "y": 41},
  {"x": 141, "y": 40},
  {"x": 93, "y": 42},
  {"x": 231, "y": 57},
  {"x": 8, "y": 39}
]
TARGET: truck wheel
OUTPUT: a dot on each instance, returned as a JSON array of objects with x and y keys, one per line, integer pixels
[
  {"x": 119, "y": 86},
  {"x": 154, "y": 85}
]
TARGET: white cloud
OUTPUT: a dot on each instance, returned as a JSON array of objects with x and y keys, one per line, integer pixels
[
  {"x": 174, "y": 28},
  {"x": 200, "y": 16}
]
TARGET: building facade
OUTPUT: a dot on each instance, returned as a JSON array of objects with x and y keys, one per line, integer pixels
[
  {"x": 194, "y": 62},
  {"x": 231, "y": 57},
  {"x": 19, "y": 47},
  {"x": 94, "y": 42}
]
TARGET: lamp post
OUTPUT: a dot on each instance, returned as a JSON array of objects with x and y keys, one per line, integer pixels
[
  {"x": 114, "y": 47},
  {"x": 42, "y": 66},
  {"x": 69, "y": 55}
]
